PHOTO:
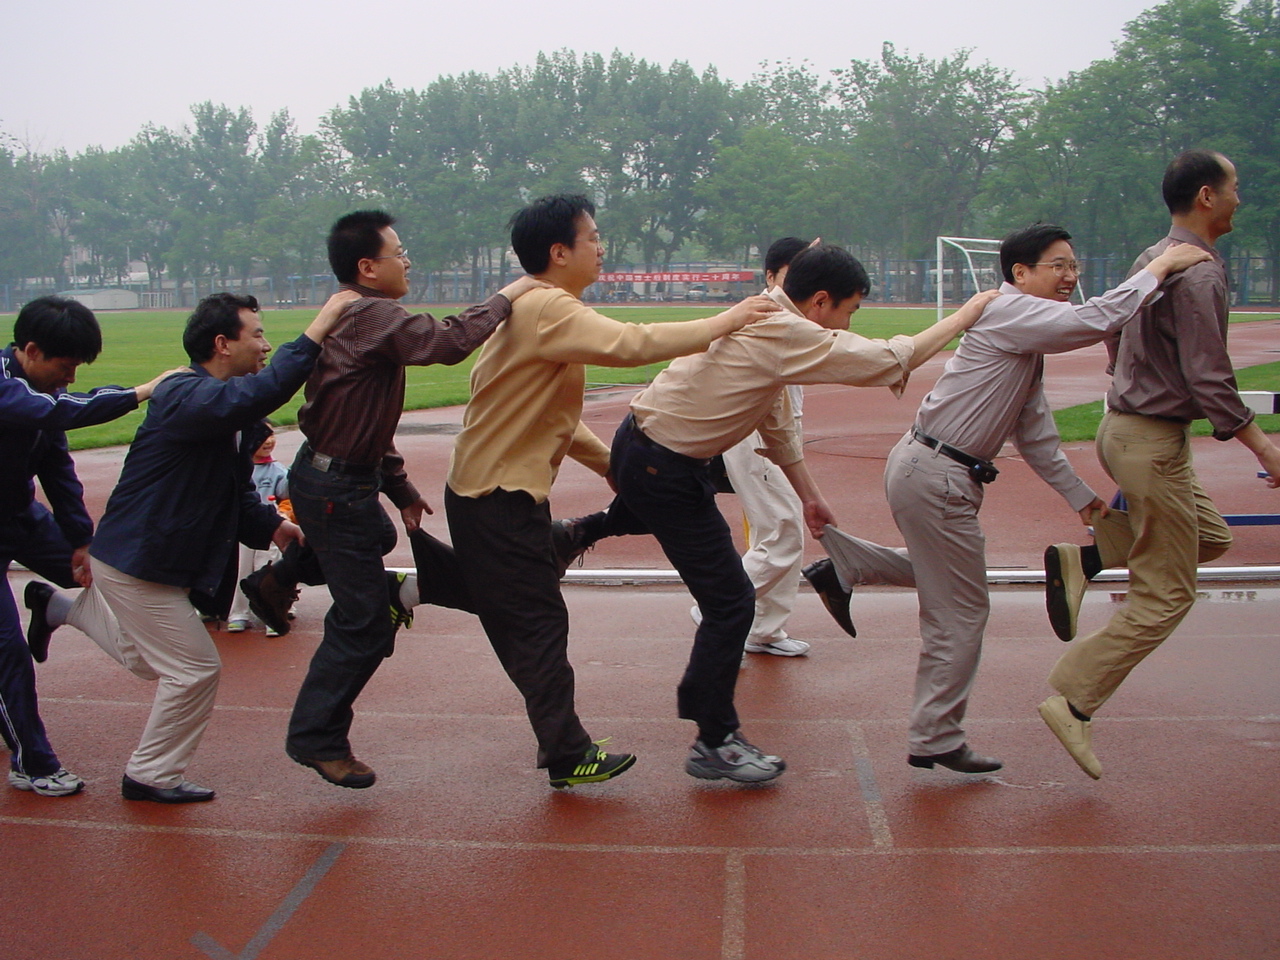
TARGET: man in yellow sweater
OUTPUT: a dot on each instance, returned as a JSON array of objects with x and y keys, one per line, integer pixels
[{"x": 523, "y": 419}]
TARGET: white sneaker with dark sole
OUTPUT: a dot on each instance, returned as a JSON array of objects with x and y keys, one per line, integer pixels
[{"x": 63, "y": 783}]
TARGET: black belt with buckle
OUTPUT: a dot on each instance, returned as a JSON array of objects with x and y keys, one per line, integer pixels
[
  {"x": 983, "y": 471},
  {"x": 342, "y": 468}
]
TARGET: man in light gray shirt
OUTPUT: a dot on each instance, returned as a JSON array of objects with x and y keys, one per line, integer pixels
[{"x": 991, "y": 391}]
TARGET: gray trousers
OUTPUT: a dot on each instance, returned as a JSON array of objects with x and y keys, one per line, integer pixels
[{"x": 935, "y": 504}]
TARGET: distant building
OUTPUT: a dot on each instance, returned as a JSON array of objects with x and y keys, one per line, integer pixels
[{"x": 107, "y": 299}]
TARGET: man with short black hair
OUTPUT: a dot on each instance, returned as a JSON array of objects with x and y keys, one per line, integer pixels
[
  {"x": 991, "y": 391},
  {"x": 354, "y": 399},
  {"x": 1169, "y": 366},
  {"x": 166, "y": 546},
  {"x": 524, "y": 417},
  {"x": 52, "y": 336},
  {"x": 702, "y": 405}
]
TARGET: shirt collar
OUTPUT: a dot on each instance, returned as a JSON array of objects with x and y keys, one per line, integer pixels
[
  {"x": 367, "y": 291},
  {"x": 782, "y": 300},
  {"x": 1183, "y": 235}
]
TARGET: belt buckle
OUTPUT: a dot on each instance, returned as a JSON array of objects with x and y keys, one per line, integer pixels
[{"x": 321, "y": 461}]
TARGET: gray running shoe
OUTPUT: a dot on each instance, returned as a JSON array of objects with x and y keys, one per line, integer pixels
[{"x": 735, "y": 759}]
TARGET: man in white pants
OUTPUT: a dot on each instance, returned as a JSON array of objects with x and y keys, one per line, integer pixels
[
  {"x": 991, "y": 391},
  {"x": 165, "y": 550}
]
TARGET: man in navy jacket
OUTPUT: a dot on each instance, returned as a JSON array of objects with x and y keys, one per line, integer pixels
[
  {"x": 51, "y": 338},
  {"x": 167, "y": 543}
]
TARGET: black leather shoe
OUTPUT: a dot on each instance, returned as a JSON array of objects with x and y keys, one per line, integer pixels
[
  {"x": 821, "y": 575},
  {"x": 269, "y": 599},
  {"x": 36, "y": 597},
  {"x": 573, "y": 538},
  {"x": 961, "y": 760},
  {"x": 184, "y": 792}
]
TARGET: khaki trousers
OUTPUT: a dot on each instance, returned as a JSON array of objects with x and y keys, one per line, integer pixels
[
  {"x": 153, "y": 630},
  {"x": 1170, "y": 527}
]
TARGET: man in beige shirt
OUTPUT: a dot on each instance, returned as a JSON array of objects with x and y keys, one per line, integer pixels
[
  {"x": 702, "y": 405},
  {"x": 524, "y": 417}
]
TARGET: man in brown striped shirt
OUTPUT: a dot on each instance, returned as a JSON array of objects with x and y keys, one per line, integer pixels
[{"x": 354, "y": 399}]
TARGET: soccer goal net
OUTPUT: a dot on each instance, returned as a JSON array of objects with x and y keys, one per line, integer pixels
[{"x": 965, "y": 266}]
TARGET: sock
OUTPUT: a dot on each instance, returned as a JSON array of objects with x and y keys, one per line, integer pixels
[
  {"x": 409, "y": 591},
  {"x": 1077, "y": 714},
  {"x": 1090, "y": 561},
  {"x": 59, "y": 606}
]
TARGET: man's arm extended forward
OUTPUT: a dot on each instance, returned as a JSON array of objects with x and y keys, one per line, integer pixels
[
  {"x": 929, "y": 342},
  {"x": 571, "y": 332}
]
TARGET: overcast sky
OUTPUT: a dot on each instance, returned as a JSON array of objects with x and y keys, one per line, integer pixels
[{"x": 81, "y": 72}]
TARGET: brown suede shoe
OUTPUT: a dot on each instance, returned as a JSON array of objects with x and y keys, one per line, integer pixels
[{"x": 345, "y": 772}]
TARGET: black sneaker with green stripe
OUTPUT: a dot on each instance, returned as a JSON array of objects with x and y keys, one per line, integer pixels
[
  {"x": 401, "y": 616},
  {"x": 594, "y": 766}
]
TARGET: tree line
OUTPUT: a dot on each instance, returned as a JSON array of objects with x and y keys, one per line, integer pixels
[{"x": 880, "y": 155}]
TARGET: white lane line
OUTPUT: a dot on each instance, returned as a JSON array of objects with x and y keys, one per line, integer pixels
[{"x": 259, "y": 836}]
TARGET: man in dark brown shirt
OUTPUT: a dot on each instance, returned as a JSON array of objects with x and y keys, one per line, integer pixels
[
  {"x": 354, "y": 399},
  {"x": 1170, "y": 366}
]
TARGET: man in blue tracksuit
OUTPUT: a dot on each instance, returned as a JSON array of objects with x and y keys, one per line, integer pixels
[
  {"x": 166, "y": 545},
  {"x": 51, "y": 338}
]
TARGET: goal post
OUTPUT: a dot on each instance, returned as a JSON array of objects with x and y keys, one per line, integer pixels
[{"x": 976, "y": 259}]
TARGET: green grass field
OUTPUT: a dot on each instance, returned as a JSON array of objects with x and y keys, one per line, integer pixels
[
  {"x": 1081, "y": 423},
  {"x": 139, "y": 344}
]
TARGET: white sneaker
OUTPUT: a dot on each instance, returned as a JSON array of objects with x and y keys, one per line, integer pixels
[
  {"x": 237, "y": 626},
  {"x": 786, "y": 647},
  {"x": 63, "y": 783}
]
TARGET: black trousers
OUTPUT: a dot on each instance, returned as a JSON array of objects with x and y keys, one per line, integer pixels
[
  {"x": 503, "y": 545},
  {"x": 350, "y": 532},
  {"x": 672, "y": 497}
]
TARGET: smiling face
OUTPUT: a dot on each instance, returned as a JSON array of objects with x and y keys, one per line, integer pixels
[
  {"x": 1223, "y": 200},
  {"x": 248, "y": 353},
  {"x": 1053, "y": 277}
]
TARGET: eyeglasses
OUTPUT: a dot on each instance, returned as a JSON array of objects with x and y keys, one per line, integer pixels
[
  {"x": 1063, "y": 267},
  {"x": 402, "y": 255}
]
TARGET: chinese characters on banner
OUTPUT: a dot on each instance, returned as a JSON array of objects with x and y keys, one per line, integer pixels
[{"x": 722, "y": 276}]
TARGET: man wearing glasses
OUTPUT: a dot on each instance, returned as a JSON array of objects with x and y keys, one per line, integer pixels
[
  {"x": 991, "y": 391},
  {"x": 354, "y": 399},
  {"x": 1170, "y": 366}
]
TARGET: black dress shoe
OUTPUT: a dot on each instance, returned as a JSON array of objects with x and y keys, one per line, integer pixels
[
  {"x": 821, "y": 575},
  {"x": 184, "y": 792},
  {"x": 269, "y": 598},
  {"x": 961, "y": 760},
  {"x": 36, "y": 598}
]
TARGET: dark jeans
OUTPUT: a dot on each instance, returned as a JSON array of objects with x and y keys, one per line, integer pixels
[
  {"x": 672, "y": 497},
  {"x": 503, "y": 545},
  {"x": 36, "y": 541},
  {"x": 350, "y": 532}
]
